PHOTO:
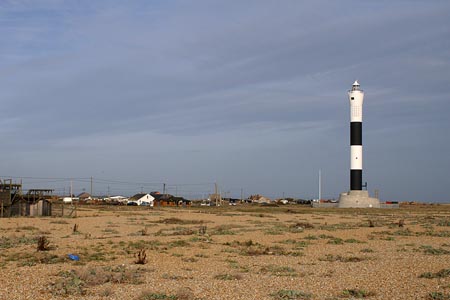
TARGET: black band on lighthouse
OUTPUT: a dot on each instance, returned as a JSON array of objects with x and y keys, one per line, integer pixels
[
  {"x": 356, "y": 133},
  {"x": 356, "y": 180}
]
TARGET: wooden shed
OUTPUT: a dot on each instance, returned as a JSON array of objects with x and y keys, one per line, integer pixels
[{"x": 41, "y": 208}]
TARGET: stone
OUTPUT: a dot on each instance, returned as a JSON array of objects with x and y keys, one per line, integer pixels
[{"x": 357, "y": 199}]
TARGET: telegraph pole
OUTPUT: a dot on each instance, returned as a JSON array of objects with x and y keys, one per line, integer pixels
[
  {"x": 320, "y": 185},
  {"x": 215, "y": 192}
]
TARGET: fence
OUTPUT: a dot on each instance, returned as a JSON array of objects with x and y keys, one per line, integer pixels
[
  {"x": 386, "y": 205},
  {"x": 64, "y": 210}
]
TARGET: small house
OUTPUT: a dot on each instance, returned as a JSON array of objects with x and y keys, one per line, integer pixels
[
  {"x": 142, "y": 199},
  {"x": 84, "y": 196}
]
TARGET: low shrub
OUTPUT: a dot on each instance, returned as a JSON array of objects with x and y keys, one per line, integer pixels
[
  {"x": 228, "y": 277},
  {"x": 357, "y": 293},
  {"x": 156, "y": 296},
  {"x": 438, "y": 296},
  {"x": 291, "y": 295},
  {"x": 440, "y": 274},
  {"x": 43, "y": 243},
  {"x": 75, "y": 282}
]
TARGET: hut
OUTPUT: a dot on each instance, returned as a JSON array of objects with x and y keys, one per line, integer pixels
[{"x": 42, "y": 208}]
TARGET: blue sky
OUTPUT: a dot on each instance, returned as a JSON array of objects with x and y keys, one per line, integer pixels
[{"x": 249, "y": 94}]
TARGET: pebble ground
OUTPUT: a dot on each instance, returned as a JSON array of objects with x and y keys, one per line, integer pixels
[{"x": 247, "y": 252}]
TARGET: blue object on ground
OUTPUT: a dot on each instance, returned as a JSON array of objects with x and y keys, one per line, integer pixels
[{"x": 73, "y": 257}]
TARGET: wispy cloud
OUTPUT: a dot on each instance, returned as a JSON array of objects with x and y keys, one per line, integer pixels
[{"x": 189, "y": 74}]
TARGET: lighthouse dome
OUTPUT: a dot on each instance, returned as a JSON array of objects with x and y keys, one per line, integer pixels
[{"x": 355, "y": 86}]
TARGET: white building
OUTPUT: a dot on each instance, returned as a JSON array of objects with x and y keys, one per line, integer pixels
[
  {"x": 119, "y": 199},
  {"x": 142, "y": 199}
]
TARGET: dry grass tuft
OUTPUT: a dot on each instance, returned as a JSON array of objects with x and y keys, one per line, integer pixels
[
  {"x": 43, "y": 244},
  {"x": 357, "y": 293},
  {"x": 141, "y": 257},
  {"x": 144, "y": 231},
  {"x": 332, "y": 258},
  {"x": 228, "y": 277},
  {"x": 202, "y": 230},
  {"x": 185, "y": 293},
  {"x": 179, "y": 221},
  {"x": 441, "y": 274},
  {"x": 438, "y": 296},
  {"x": 149, "y": 295},
  {"x": 302, "y": 225},
  {"x": 291, "y": 295},
  {"x": 75, "y": 282}
]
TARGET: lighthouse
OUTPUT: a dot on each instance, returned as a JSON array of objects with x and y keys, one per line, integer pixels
[
  {"x": 356, "y": 98},
  {"x": 356, "y": 196}
]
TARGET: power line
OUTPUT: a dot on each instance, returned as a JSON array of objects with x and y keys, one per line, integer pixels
[{"x": 119, "y": 186}]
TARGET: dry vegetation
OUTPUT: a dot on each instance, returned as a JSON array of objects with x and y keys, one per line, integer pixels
[{"x": 242, "y": 252}]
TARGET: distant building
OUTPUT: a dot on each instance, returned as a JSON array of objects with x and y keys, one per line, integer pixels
[
  {"x": 118, "y": 199},
  {"x": 169, "y": 200},
  {"x": 84, "y": 196},
  {"x": 259, "y": 199},
  {"x": 142, "y": 199}
]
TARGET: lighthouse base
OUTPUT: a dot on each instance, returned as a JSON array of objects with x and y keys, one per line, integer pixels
[{"x": 358, "y": 199}]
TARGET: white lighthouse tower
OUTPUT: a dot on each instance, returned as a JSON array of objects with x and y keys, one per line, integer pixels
[
  {"x": 356, "y": 98},
  {"x": 356, "y": 197}
]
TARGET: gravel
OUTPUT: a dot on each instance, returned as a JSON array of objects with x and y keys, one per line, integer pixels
[{"x": 390, "y": 271}]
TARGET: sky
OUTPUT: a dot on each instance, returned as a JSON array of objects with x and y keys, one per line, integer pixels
[{"x": 251, "y": 95}]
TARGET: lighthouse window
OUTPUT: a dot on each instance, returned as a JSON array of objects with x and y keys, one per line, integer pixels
[{"x": 353, "y": 98}]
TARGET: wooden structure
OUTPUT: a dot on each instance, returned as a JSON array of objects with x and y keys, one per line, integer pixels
[
  {"x": 37, "y": 202},
  {"x": 10, "y": 198},
  {"x": 41, "y": 208}
]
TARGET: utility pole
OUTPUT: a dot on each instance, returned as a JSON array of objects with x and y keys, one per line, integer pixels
[
  {"x": 242, "y": 195},
  {"x": 216, "y": 194},
  {"x": 71, "y": 192},
  {"x": 320, "y": 185},
  {"x": 91, "y": 187}
]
